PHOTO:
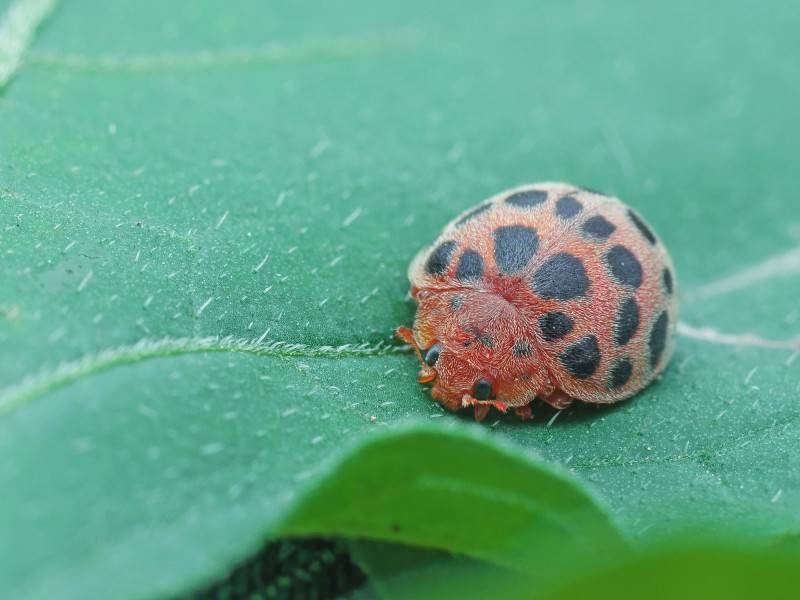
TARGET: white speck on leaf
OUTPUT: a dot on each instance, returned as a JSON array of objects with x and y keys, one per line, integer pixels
[
  {"x": 85, "y": 281},
  {"x": 553, "y": 419},
  {"x": 352, "y": 217},
  {"x": 204, "y": 306},
  {"x": 264, "y": 260},
  {"x": 455, "y": 153},
  {"x": 320, "y": 147},
  {"x": 374, "y": 292},
  {"x": 57, "y": 335},
  {"x": 82, "y": 445},
  {"x": 212, "y": 448},
  {"x": 147, "y": 411}
]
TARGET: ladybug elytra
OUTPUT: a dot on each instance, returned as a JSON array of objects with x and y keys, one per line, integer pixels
[{"x": 546, "y": 291}]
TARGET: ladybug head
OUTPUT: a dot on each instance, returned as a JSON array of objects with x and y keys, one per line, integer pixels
[{"x": 465, "y": 344}]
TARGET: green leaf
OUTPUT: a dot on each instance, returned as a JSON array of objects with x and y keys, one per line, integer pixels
[
  {"x": 457, "y": 492},
  {"x": 681, "y": 572},
  {"x": 207, "y": 212}
]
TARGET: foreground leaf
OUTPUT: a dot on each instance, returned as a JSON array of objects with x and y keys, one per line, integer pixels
[
  {"x": 677, "y": 571},
  {"x": 458, "y": 493},
  {"x": 692, "y": 573}
]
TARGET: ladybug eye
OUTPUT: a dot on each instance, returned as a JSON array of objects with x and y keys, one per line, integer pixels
[
  {"x": 432, "y": 355},
  {"x": 482, "y": 389}
]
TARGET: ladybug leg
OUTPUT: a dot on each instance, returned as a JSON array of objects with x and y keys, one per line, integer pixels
[
  {"x": 407, "y": 335},
  {"x": 558, "y": 400},
  {"x": 482, "y": 407},
  {"x": 481, "y": 411},
  {"x": 524, "y": 412}
]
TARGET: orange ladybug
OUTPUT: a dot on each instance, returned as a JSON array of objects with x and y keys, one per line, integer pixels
[{"x": 547, "y": 291}]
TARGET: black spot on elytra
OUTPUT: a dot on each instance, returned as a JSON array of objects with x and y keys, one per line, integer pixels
[
  {"x": 439, "y": 259},
  {"x": 514, "y": 246},
  {"x": 642, "y": 227},
  {"x": 627, "y": 322},
  {"x": 483, "y": 337},
  {"x": 561, "y": 277},
  {"x": 658, "y": 338},
  {"x": 522, "y": 348},
  {"x": 620, "y": 373},
  {"x": 482, "y": 389},
  {"x": 668, "y": 283},
  {"x": 527, "y": 199},
  {"x": 555, "y": 325},
  {"x": 598, "y": 227},
  {"x": 567, "y": 207},
  {"x": 624, "y": 266},
  {"x": 486, "y": 340},
  {"x": 432, "y": 355},
  {"x": 470, "y": 266},
  {"x": 473, "y": 213},
  {"x": 456, "y": 302},
  {"x": 582, "y": 358}
]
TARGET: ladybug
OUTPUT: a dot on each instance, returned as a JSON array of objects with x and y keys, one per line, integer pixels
[{"x": 546, "y": 291}]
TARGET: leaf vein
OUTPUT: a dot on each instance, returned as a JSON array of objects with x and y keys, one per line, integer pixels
[
  {"x": 270, "y": 53},
  {"x": 68, "y": 372},
  {"x": 17, "y": 29}
]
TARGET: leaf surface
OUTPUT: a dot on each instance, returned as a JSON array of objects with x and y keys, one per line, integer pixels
[{"x": 207, "y": 212}]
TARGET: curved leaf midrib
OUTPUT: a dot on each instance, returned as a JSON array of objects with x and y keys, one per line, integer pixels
[{"x": 47, "y": 381}]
